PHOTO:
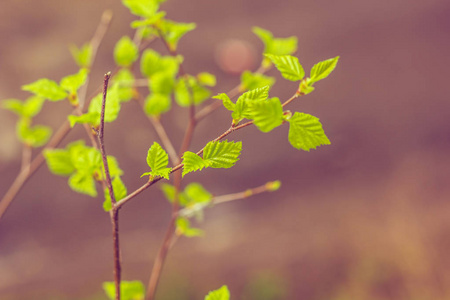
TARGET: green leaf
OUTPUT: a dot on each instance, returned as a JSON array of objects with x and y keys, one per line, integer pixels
[
  {"x": 72, "y": 83},
  {"x": 35, "y": 136},
  {"x": 157, "y": 104},
  {"x": 28, "y": 109},
  {"x": 184, "y": 228},
  {"x": 152, "y": 63},
  {"x": 162, "y": 83},
  {"x": 192, "y": 162},
  {"x": 173, "y": 31},
  {"x": 196, "y": 92},
  {"x": 59, "y": 161},
  {"x": 32, "y": 106},
  {"x": 222, "y": 154},
  {"x": 267, "y": 115},
  {"x": 83, "y": 183},
  {"x": 206, "y": 78},
  {"x": 276, "y": 46},
  {"x": 250, "y": 81},
  {"x": 47, "y": 89},
  {"x": 157, "y": 160},
  {"x": 226, "y": 101},
  {"x": 148, "y": 21},
  {"x": 196, "y": 193},
  {"x": 243, "y": 108},
  {"x": 14, "y": 105},
  {"x": 257, "y": 94},
  {"x": 322, "y": 69},
  {"x": 168, "y": 191},
  {"x": 288, "y": 66},
  {"x": 125, "y": 52},
  {"x": 86, "y": 159},
  {"x": 142, "y": 8},
  {"x": 88, "y": 118},
  {"x": 83, "y": 55},
  {"x": 305, "y": 132},
  {"x": 124, "y": 81},
  {"x": 220, "y": 294},
  {"x": 129, "y": 290},
  {"x": 120, "y": 192}
]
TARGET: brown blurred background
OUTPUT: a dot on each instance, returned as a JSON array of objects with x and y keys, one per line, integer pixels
[{"x": 365, "y": 218}]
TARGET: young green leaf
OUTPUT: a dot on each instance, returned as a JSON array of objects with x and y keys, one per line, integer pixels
[
  {"x": 205, "y": 78},
  {"x": 83, "y": 183},
  {"x": 243, "y": 108},
  {"x": 157, "y": 104},
  {"x": 250, "y": 81},
  {"x": 35, "y": 136},
  {"x": 267, "y": 115},
  {"x": 173, "y": 31},
  {"x": 276, "y": 46},
  {"x": 162, "y": 83},
  {"x": 288, "y": 66},
  {"x": 222, "y": 154},
  {"x": 146, "y": 23},
  {"x": 125, "y": 52},
  {"x": 196, "y": 193},
  {"x": 59, "y": 161},
  {"x": 142, "y": 8},
  {"x": 168, "y": 191},
  {"x": 322, "y": 69},
  {"x": 187, "y": 89},
  {"x": 123, "y": 81},
  {"x": 82, "y": 56},
  {"x": 184, "y": 228},
  {"x": 152, "y": 63},
  {"x": 120, "y": 192},
  {"x": 220, "y": 294},
  {"x": 28, "y": 109},
  {"x": 192, "y": 162},
  {"x": 72, "y": 83},
  {"x": 47, "y": 89},
  {"x": 157, "y": 160},
  {"x": 129, "y": 290},
  {"x": 258, "y": 94},
  {"x": 226, "y": 101},
  {"x": 88, "y": 118},
  {"x": 305, "y": 132}
]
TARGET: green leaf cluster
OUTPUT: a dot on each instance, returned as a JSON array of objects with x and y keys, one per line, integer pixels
[
  {"x": 292, "y": 70},
  {"x": 220, "y": 294},
  {"x": 190, "y": 90},
  {"x": 83, "y": 165},
  {"x": 275, "y": 46},
  {"x": 161, "y": 72},
  {"x": 173, "y": 31},
  {"x": 183, "y": 227},
  {"x": 32, "y": 136},
  {"x": 157, "y": 160},
  {"x": 266, "y": 113},
  {"x": 216, "y": 154},
  {"x": 129, "y": 290}
]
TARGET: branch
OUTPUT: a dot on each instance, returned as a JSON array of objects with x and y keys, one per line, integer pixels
[
  {"x": 268, "y": 187},
  {"x": 114, "y": 213}
]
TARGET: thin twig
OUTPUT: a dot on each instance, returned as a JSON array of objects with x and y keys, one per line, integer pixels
[
  {"x": 26, "y": 157},
  {"x": 114, "y": 213},
  {"x": 186, "y": 212}
]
